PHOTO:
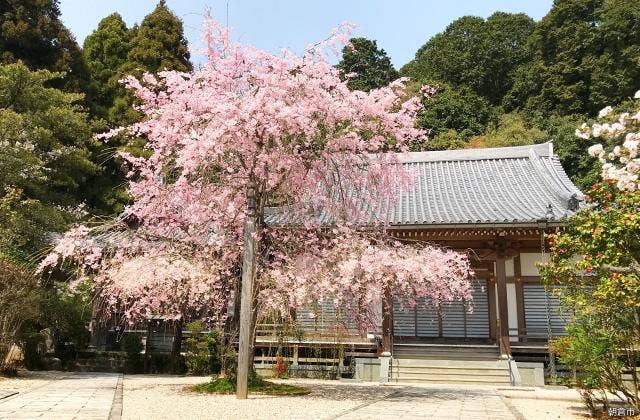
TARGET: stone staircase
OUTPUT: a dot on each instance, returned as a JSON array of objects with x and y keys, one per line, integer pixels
[{"x": 441, "y": 363}]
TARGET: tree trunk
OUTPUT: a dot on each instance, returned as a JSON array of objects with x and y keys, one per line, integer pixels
[
  {"x": 176, "y": 346},
  {"x": 245, "y": 352},
  {"x": 147, "y": 348}
]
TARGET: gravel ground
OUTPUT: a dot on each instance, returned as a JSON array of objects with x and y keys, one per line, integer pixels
[
  {"x": 156, "y": 397},
  {"x": 164, "y": 397}
]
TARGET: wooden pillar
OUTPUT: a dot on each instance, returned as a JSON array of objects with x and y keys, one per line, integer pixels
[
  {"x": 491, "y": 294},
  {"x": 517, "y": 265},
  {"x": 503, "y": 309},
  {"x": 387, "y": 320}
]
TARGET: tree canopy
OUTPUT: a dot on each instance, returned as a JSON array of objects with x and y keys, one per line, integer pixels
[
  {"x": 585, "y": 56},
  {"x": 159, "y": 43},
  {"x": 370, "y": 64},
  {"x": 45, "y": 144},
  {"x": 229, "y": 137},
  {"x": 31, "y": 31},
  {"x": 475, "y": 53},
  {"x": 106, "y": 51},
  {"x": 455, "y": 108}
]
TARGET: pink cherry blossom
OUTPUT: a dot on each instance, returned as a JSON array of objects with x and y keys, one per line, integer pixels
[{"x": 287, "y": 127}]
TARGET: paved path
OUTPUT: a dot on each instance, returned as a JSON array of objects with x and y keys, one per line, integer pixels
[{"x": 73, "y": 396}]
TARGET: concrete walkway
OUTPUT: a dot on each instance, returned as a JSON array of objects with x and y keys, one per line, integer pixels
[{"x": 71, "y": 396}]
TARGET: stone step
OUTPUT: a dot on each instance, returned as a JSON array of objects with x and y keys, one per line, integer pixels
[
  {"x": 449, "y": 380},
  {"x": 492, "y": 372},
  {"x": 452, "y": 358},
  {"x": 421, "y": 371},
  {"x": 491, "y": 364},
  {"x": 452, "y": 354}
]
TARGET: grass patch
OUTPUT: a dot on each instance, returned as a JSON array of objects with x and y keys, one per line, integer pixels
[{"x": 256, "y": 386}]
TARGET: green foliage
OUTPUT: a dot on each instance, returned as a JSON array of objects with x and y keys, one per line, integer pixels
[
  {"x": 105, "y": 52},
  {"x": 112, "y": 52},
  {"x": 199, "y": 344},
  {"x": 605, "y": 302},
  {"x": 19, "y": 302},
  {"x": 446, "y": 140},
  {"x": 586, "y": 55},
  {"x": 371, "y": 65},
  {"x": 45, "y": 161},
  {"x": 159, "y": 43},
  {"x": 66, "y": 313},
  {"x": 132, "y": 345},
  {"x": 257, "y": 385},
  {"x": 31, "y": 31},
  {"x": 511, "y": 130},
  {"x": 458, "y": 109},
  {"x": 578, "y": 165},
  {"x": 480, "y": 55}
]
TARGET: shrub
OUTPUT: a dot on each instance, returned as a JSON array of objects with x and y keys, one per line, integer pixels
[
  {"x": 280, "y": 368},
  {"x": 198, "y": 356},
  {"x": 132, "y": 345},
  {"x": 19, "y": 299}
]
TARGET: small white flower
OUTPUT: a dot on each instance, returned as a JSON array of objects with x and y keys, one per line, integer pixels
[
  {"x": 637, "y": 95},
  {"x": 605, "y": 111},
  {"x": 623, "y": 117},
  {"x": 582, "y": 134},
  {"x": 597, "y": 130},
  {"x": 595, "y": 150}
]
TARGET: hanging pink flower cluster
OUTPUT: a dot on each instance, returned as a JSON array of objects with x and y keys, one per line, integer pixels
[{"x": 351, "y": 268}]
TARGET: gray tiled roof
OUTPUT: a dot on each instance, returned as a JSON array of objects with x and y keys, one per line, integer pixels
[{"x": 507, "y": 185}]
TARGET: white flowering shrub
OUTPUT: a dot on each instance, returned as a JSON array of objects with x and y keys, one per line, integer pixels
[{"x": 622, "y": 164}]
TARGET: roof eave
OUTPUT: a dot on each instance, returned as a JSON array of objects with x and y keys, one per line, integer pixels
[{"x": 541, "y": 224}]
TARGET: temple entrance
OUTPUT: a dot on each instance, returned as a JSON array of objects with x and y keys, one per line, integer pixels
[{"x": 449, "y": 321}]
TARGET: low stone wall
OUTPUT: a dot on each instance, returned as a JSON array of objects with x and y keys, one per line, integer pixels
[
  {"x": 108, "y": 361},
  {"x": 367, "y": 369},
  {"x": 267, "y": 370},
  {"x": 531, "y": 373}
]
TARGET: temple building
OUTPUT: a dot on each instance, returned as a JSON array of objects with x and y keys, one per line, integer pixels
[{"x": 496, "y": 205}]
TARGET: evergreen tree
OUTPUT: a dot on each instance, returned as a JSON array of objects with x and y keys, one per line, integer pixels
[
  {"x": 105, "y": 52},
  {"x": 159, "y": 43},
  {"x": 31, "y": 31},
  {"x": 112, "y": 51},
  {"x": 45, "y": 143},
  {"x": 586, "y": 55},
  {"x": 371, "y": 65}
]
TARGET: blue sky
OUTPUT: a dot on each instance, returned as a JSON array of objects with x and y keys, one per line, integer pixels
[{"x": 399, "y": 26}]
